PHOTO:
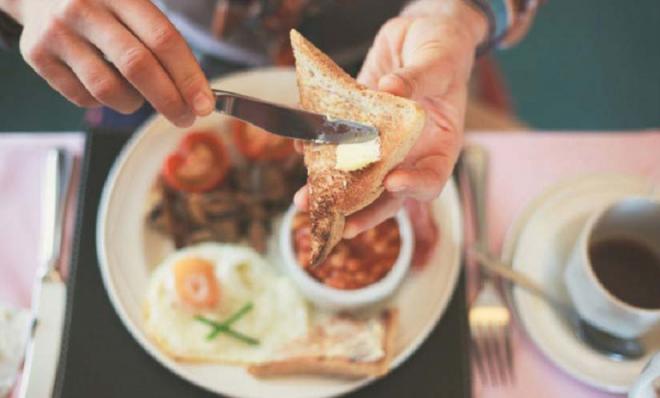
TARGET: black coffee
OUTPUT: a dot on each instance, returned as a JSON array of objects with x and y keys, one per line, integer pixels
[{"x": 629, "y": 269}]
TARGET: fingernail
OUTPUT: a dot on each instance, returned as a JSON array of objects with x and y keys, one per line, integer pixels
[
  {"x": 397, "y": 83},
  {"x": 349, "y": 232},
  {"x": 185, "y": 120},
  {"x": 298, "y": 199},
  {"x": 397, "y": 188},
  {"x": 203, "y": 104}
]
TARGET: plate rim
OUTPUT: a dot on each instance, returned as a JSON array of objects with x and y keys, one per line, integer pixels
[
  {"x": 140, "y": 134},
  {"x": 510, "y": 247}
]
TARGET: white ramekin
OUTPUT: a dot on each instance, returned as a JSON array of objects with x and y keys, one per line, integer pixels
[{"x": 333, "y": 299}]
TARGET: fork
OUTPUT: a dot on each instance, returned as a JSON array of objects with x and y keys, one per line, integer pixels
[{"x": 489, "y": 317}]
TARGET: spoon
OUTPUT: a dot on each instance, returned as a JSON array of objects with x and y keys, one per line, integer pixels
[{"x": 612, "y": 346}]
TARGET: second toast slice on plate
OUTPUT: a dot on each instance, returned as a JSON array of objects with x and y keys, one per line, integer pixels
[{"x": 338, "y": 345}]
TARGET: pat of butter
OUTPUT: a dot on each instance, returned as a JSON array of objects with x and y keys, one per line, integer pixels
[{"x": 355, "y": 156}]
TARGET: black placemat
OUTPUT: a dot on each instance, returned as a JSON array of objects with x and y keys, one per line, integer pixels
[{"x": 100, "y": 358}]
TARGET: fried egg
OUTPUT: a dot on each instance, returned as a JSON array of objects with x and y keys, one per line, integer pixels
[{"x": 212, "y": 282}]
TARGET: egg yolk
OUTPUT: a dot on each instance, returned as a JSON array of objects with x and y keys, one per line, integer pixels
[{"x": 196, "y": 283}]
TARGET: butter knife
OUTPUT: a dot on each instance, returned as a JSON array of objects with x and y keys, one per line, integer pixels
[
  {"x": 49, "y": 295},
  {"x": 292, "y": 123}
]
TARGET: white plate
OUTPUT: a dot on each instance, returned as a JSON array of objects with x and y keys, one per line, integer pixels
[
  {"x": 128, "y": 251},
  {"x": 538, "y": 244}
]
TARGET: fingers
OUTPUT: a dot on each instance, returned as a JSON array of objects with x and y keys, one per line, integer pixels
[
  {"x": 99, "y": 78},
  {"x": 386, "y": 206},
  {"x": 383, "y": 55},
  {"x": 417, "y": 57},
  {"x": 371, "y": 69},
  {"x": 301, "y": 198},
  {"x": 135, "y": 62},
  {"x": 63, "y": 80},
  {"x": 421, "y": 217},
  {"x": 396, "y": 84},
  {"x": 417, "y": 81},
  {"x": 158, "y": 34},
  {"x": 426, "y": 232},
  {"x": 38, "y": 54},
  {"x": 119, "y": 51},
  {"x": 424, "y": 181}
]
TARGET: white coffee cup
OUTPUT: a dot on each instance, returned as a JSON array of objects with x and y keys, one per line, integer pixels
[{"x": 634, "y": 218}]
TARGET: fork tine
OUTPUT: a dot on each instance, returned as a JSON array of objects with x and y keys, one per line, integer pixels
[
  {"x": 478, "y": 357},
  {"x": 496, "y": 336},
  {"x": 499, "y": 338},
  {"x": 509, "y": 353},
  {"x": 490, "y": 348}
]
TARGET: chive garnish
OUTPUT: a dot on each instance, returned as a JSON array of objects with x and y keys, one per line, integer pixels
[{"x": 225, "y": 326}]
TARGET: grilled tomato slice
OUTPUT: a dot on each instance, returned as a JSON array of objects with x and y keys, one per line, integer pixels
[{"x": 199, "y": 164}]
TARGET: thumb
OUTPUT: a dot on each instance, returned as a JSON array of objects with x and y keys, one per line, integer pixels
[{"x": 423, "y": 79}]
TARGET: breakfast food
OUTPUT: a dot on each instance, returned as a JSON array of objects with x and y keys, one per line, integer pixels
[
  {"x": 335, "y": 193},
  {"x": 199, "y": 164},
  {"x": 220, "y": 297},
  {"x": 202, "y": 196},
  {"x": 223, "y": 303},
  {"x": 339, "y": 346},
  {"x": 353, "y": 263},
  {"x": 197, "y": 290}
]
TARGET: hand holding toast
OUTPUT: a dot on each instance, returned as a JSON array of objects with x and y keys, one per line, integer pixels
[
  {"x": 413, "y": 89},
  {"x": 425, "y": 55}
]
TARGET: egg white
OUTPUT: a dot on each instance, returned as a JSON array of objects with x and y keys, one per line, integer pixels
[{"x": 279, "y": 312}]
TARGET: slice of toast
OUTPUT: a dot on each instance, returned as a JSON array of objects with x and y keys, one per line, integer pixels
[
  {"x": 334, "y": 194},
  {"x": 338, "y": 346}
]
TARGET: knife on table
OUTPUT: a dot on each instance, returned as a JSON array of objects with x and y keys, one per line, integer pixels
[
  {"x": 49, "y": 295},
  {"x": 292, "y": 123}
]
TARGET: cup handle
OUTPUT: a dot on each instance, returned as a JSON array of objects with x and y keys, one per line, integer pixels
[{"x": 648, "y": 383}]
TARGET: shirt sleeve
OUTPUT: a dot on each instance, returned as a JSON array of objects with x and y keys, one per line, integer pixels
[{"x": 10, "y": 31}]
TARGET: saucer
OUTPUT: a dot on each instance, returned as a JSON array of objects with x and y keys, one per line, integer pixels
[{"x": 538, "y": 244}]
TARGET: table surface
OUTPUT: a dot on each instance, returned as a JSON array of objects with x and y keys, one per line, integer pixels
[{"x": 522, "y": 167}]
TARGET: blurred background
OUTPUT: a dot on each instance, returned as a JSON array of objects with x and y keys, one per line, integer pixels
[{"x": 585, "y": 65}]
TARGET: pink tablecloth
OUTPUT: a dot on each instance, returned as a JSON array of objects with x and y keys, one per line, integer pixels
[
  {"x": 22, "y": 158},
  {"x": 522, "y": 166}
]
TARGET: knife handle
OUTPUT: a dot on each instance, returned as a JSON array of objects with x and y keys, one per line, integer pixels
[
  {"x": 43, "y": 352},
  {"x": 56, "y": 182},
  {"x": 224, "y": 100}
]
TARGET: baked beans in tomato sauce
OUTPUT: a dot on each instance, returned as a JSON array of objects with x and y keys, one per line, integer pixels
[{"x": 353, "y": 263}]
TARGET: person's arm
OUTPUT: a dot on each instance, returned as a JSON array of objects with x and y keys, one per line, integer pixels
[{"x": 112, "y": 52}]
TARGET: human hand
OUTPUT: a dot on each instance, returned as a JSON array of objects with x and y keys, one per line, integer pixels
[
  {"x": 115, "y": 53},
  {"x": 426, "y": 55}
]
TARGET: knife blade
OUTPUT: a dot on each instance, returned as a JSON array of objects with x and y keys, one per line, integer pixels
[
  {"x": 49, "y": 295},
  {"x": 292, "y": 123}
]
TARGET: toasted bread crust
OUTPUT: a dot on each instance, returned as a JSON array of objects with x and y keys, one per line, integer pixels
[
  {"x": 334, "y": 194},
  {"x": 335, "y": 366}
]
